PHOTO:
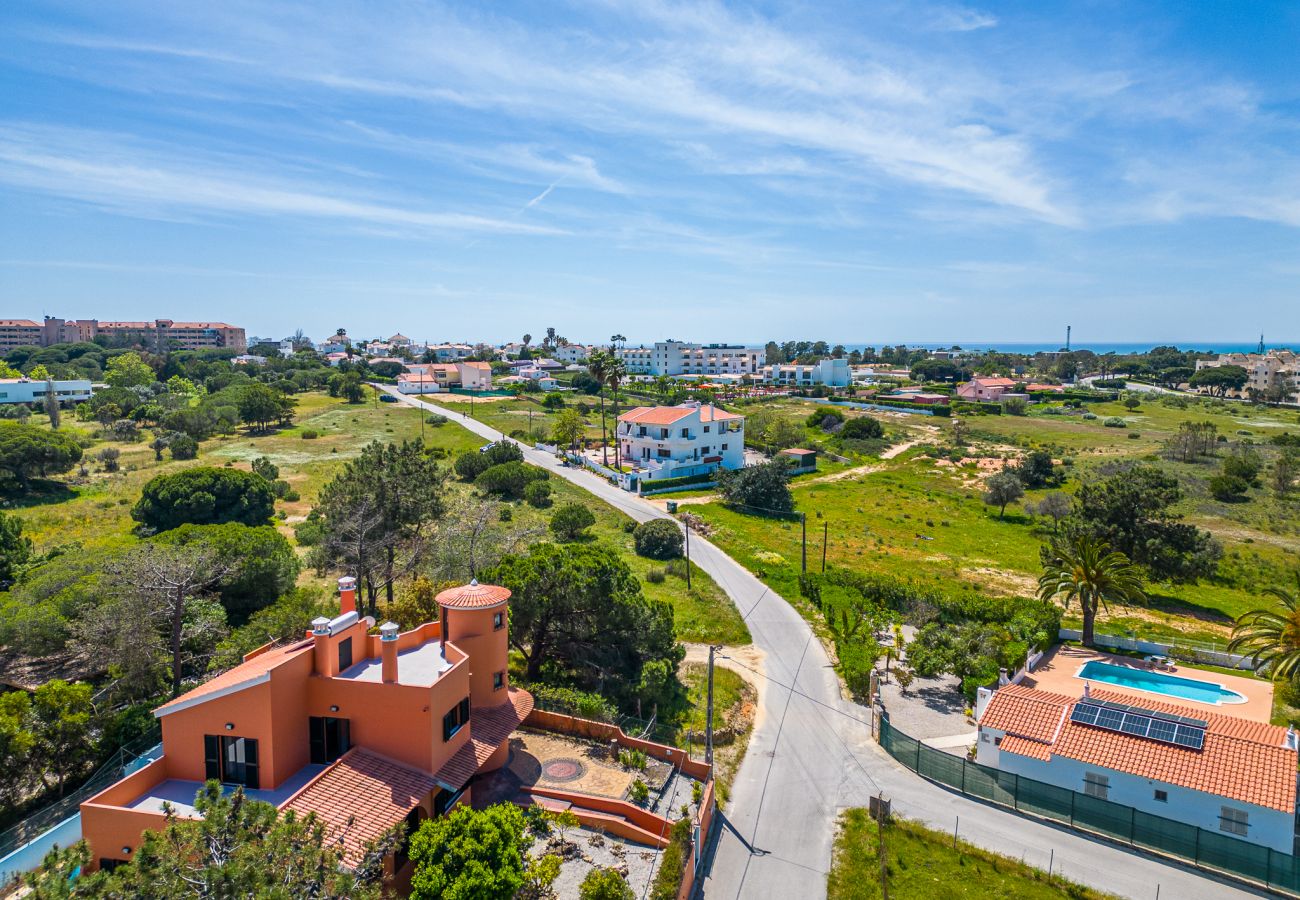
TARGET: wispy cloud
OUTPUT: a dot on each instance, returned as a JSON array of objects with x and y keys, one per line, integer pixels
[
  {"x": 104, "y": 170},
  {"x": 960, "y": 18}
]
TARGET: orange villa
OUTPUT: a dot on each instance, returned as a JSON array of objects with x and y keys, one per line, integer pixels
[{"x": 369, "y": 730}]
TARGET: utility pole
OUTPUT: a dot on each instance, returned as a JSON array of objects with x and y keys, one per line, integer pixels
[
  {"x": 826, "y": 530},
  {"x": 803, "y": 531},
  {"x": 708, "y": 732},
  {"x": 881, "y": 817},
  {"x": 687, "y": 525}
]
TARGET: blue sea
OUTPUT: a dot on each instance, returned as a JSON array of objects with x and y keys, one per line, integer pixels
[{"x": 1098, "y": 347}]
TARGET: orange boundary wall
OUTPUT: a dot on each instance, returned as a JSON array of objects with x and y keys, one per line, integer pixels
[{"x": 697, "y": 769}]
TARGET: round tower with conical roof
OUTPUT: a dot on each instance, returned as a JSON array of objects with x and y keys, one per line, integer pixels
[{"x": 475, "y": 619}]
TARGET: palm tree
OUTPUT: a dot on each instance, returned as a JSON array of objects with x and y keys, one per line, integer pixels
[
  {"x": 1271, "y": 637},
  {"x": 614, "y": 377},
  {"x": 1086, "y": 569},
  {"x": 598, "y": 364}
]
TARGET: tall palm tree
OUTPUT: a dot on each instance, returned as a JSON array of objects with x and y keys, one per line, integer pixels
[
  {"x": 1087, "y": 570},
  {"x": 1271, "y": 637},
  {"x": 598, "y": 363},
  {"x": 614, "y": 377}
]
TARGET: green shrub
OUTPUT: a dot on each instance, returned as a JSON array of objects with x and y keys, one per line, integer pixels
[
  {"x": 436, "y": 420},
  {"x": 571, "y": 521},
  {"x": 655, "y": 576},
  {"x": 862, "y": 428},
  {"x": 538, "y": 494},
  {"x": 204, "y": 496},
  {"x": 658, "y": 539},
  {"x": 509, "y": 479},
  {"x": 639, "y": 792},
  {"x": 573, "y": 702},
  {"x": 310, "y": 434},
  {"x": 1115, "y": 422},
  {"x": 182, "y": 446}
]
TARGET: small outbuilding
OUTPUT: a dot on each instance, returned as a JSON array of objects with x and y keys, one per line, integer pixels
[{"x": 800, "y": 460}]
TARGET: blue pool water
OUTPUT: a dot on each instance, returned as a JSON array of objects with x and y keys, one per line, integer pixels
[{"x": 1159, "y": 683}]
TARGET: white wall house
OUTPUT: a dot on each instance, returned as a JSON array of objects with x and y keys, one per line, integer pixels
[
  {"x": 433, "y": 378},
  {"x": 681, "y": 358},
  {"x": 830, "y": 372},
  {"x": 25, "y": 390},
  {"x": 677, "y": 441},
  {"x": 1240, "y": 782},
  {"x": 570, "y": 353}
]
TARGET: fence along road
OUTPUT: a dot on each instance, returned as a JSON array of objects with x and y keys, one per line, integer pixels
[{"x": 812, "y": 755}]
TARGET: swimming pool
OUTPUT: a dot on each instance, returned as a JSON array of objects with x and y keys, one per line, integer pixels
[{"x": 1159, "y": 683}]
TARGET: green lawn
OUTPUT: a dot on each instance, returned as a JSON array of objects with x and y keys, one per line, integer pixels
[{"x": 924, "y": 865}]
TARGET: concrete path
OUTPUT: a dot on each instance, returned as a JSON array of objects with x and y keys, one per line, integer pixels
[{"x": 812, "y": 754}]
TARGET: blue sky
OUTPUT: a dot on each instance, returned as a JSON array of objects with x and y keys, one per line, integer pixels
[{"x": 856, "y": 172}]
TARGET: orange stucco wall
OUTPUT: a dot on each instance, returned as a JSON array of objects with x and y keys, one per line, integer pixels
[
  {"x": 108, "y": 828},
  {"x": 488, "y": 649}
]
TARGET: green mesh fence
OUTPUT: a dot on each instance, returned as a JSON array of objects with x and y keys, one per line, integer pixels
[{"x": 1205, "y": 849}]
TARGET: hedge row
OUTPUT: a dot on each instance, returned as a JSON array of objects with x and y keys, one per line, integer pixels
[
  {"x": 1076, "y": 396},
  {"x": 660, "y": 484},
  {"x": 975, "y": 406}
]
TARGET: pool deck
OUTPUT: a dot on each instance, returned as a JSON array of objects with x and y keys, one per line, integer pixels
[{"x": 1059, "y": 667}]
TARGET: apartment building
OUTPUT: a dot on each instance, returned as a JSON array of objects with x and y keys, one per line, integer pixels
[
  {"x": 677, "y": 441},
  {"x": 681, "y": 358},
  {"x": 571, "y": 353},
  {"x": 1272, "y": 374},
  {"x": 158, "y": 335},
  {"x": 830, "y": 372}
]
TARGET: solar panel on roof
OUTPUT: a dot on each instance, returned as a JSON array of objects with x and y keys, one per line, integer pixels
[{"x": 1182, "y": 731}]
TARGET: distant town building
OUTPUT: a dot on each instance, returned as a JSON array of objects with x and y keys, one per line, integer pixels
[
  {"x": 571, "y": 353},
  {"x": 681, "y": 358},
  {"x": 1275, "y": 374},
  {"x": 27, "y": 390},
  {"x": 830, "y": 372},
  {"x": 450, "y": 352},
  {"x": 158, "y": 335},
  {"x": 677, "y": 441}
]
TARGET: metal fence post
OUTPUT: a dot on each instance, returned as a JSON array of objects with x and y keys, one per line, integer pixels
[{"x": 1071, "y": 808}]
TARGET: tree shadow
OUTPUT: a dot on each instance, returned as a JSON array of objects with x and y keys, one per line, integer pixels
[
  {"x": 1182, "y": 607},
  {"x": 41, "y": 492}
]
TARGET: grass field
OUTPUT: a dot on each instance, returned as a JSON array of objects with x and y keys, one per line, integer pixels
[
  {"x": 96, "y": 511},
  {"x": 920, "y": 519},
  {"x": 924, "y": 865}
]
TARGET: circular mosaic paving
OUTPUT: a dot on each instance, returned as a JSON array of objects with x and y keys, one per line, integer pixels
[{"x": 563, "y": 769}]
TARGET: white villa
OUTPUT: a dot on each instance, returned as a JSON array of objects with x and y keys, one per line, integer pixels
[
  {"x": 1223, "y": 773},
  {"x": 677, "y": 441},
  {"x": 681, "y": 358},
  {"x": 434, "y": 378},
  {"x": 830, "y": 372},
  {"x": 26, "y": 390}
]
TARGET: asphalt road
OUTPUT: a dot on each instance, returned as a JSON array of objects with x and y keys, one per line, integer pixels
[{"x": 812, "y": 754}]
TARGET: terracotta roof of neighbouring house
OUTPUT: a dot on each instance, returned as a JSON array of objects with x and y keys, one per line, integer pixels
[
  {"x": 1240, "y": 759},
  {"x": 359, "y": 797},
  {"x": 473, "y": 596},
  {"x": 477, "y": 364},
  {"x": 254, "y": 671},
  {"x": 489, "y": 726},
  {"x": 17, "y": 323},
  {"x": 993, "y": 381},
  {"x": 794, "y": 451},
  {"x": 667, "y": 415}
]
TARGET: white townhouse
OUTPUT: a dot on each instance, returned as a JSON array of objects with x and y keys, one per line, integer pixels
[
  {"x": 830, "y": 372},
  {"x": 681, "y": 358},
  {"x": 450, "y": 352},
  {"x": 1221, "y": 773},
  {"x": 27, "y": 390},
  {"x": 571, "y": 353},
  {"x": 677, "y": 441}
]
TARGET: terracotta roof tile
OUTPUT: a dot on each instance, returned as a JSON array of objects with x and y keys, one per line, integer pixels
[
  {"x": 488, "y": 729},
  {"x": 667, "y": 415},
  {"x": 1240, "y": 760},
  {"x": 473, "y": 596},
  {"x": 359, "y": 797}
]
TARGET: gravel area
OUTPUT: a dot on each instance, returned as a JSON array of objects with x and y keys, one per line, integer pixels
[{"x": 931, "y": 708}]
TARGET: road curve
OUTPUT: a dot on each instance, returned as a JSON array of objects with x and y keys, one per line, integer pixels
[{"x": 812, "y": 755}]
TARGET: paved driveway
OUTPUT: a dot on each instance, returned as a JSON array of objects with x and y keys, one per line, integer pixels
[{"x": 812, "y": 755}]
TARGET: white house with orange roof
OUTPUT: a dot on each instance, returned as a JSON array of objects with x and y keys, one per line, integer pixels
[
  {"x": 678, "y": 441},
  {"x": 1191, "y": 762},
  {"x": 434, "y": 378}
]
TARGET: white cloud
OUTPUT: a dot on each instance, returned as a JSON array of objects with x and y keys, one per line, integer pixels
[
  {"x": 960, "y": 18},
  {"x": 107, "y": 171}
]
